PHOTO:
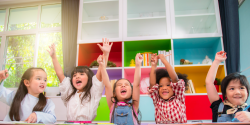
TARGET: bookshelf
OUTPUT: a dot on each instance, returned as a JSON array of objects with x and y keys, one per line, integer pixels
[{"x": 190, "y": 28}]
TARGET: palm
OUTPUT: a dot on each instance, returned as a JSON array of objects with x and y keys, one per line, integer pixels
[
  {"x": 154, "y": 59},
  {"x": 52, "y": 50},
  {"x": 106, "y": 48}
]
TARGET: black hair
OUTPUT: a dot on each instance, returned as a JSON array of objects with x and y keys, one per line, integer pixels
[
  {"x": 138, "y": 119},
  {"x": 161, "y": 73},
  {"x": 230, "y": 77},
  {"x": 86, "y": 89}
]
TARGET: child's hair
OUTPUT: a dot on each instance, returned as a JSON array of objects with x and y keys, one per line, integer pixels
[
  {"x": 160, "y": 73},
  {"x": 21, "y": 93},
  {"x": 230, "y": 77},
  {"x": 86, "y": 89},
  {"x": 126, "y": 101}
]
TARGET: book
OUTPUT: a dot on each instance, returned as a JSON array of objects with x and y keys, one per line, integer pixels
[{"x": 191, "y": 85}]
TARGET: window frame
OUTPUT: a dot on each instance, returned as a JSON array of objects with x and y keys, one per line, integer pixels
[{"x": 35, "y": 32}]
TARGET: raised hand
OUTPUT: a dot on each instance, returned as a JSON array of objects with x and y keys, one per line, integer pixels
[
  {"x": 154, "y": 59},
  {"x": 52, "y": 51},
  {"x": 32, "y": 118},
  {"x": 162, "y": 56},
  {"x": 101, "y": 61},
  {"x": 138, "y": 59},
  {"x": 3, "y": 74},
  {"x": 105, "y": 47},
  {"x": 221, "y": 56}
]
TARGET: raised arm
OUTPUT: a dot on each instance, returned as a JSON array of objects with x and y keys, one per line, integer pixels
[
  {"x": 137, "y": 80},
  {"x": 169, "y": 68},
  {"x": 211, "y": 90},
  {"x": 152, "y": 77},
  {"x": 105, "y": 78},
  {"x": 57, "y": 66},
  {"x": 106, "y": 50}
]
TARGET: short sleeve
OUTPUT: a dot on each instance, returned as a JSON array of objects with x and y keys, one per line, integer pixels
[
  {"x": 179, "y": 90},
  {"x": 153, "y": 92},
  {"x": 65, "y": 88},
  {"x": 214, "y": 106}
]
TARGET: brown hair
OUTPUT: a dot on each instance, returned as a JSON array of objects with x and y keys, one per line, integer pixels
[
  {"x": 126, "y": 101},
  {"x": 21, "y": 93},
  {"x": 86, "y": 89}
]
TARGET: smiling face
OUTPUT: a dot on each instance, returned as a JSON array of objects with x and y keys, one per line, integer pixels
[
  {"x": 165, "y": 90},
  {"x": 236, "y": 93},
  {"x": 80, "y": 80},
  {"x": 123, "y": 90},
  {"x": 37, "y": 83}
]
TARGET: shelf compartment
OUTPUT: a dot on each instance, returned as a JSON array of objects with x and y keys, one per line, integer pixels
[
  {"x": 194, "y": 24},
  {"x": 131, "y": 48},
  {"x": 187, "y": 7},
  {"x": 195, "y": 49},
  {"x": 145, "y": 8},
  {"x": 98, "y": 30},
  {"x": 146, "y": 18},
  {"x": 147, "y": 27},
  {"x": 198, "y": 75},
  {"x": 93, "y": 10},
  {"x": 90, "y": 52}
]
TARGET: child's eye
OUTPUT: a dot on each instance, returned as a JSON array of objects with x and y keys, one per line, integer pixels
[
  {"x": 82, "y": 73},
  {"x": 242, "y": 87},
  {"x": 38, "y": 78},
  {"x": 45, "y": 80},
  {"x": 160, "y": 85},
  {"x": 168, "y": 85},
  {"x": 231, "y": 89}
]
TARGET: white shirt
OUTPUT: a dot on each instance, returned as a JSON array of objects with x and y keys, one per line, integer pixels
[
  {"x": 85, "y": 110},
  {"x": 47, "y": 115}
]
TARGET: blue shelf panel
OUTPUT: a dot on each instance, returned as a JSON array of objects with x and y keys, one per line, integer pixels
[{"x": 195, "y": 49}]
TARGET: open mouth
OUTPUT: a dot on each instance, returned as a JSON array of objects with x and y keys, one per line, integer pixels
[
  {"x": 78, "y": 82},
  {"x": 123, "y": 91},
  {"x": 41, "y": 86},
  {"x": 165, "y": 92}
]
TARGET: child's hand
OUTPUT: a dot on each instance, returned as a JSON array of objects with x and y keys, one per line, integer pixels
[
  {"x": 154, "y": 59},
  {"x": 32, "y": 118},
  {"x": 52, "y": 51},
  {"x": 101, "y": 61},
  {"x": 106, "y": 47},
  {"x": 162, "y": 56},
  {"x": 243, "y": 116},
  {"x": 3, "y": 74},
  {"x": 221, "y": 56},
  {"x": 138, "y": 59}
]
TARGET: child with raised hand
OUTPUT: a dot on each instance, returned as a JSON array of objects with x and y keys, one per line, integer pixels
[
  {"x": 235, "y": 91},
  {"x": 28, "y": 103},
  {"x": 123, "y": 101},
  {"x": 167, "y": 92},
  {"x": 81, "y": 92}
]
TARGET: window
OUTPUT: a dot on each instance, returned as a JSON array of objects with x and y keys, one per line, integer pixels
[
  {"x": 51, "y": 16},
  {"x": 25, "y": 51},
  {"x": 44, "y": 60},
  {"x": 20, "y": 53},
  {"x": 23, "y": 18},
  {"x": 2, "y": 17}
]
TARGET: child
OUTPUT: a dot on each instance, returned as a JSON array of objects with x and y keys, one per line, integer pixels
[
  {"x": 28, "y": 102},
  {"x": 235, "y": 91},
  {"x": 167, "y": 92},
  {"x": 82, "y": 92},
  {"x": 123, "y": 102}
]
